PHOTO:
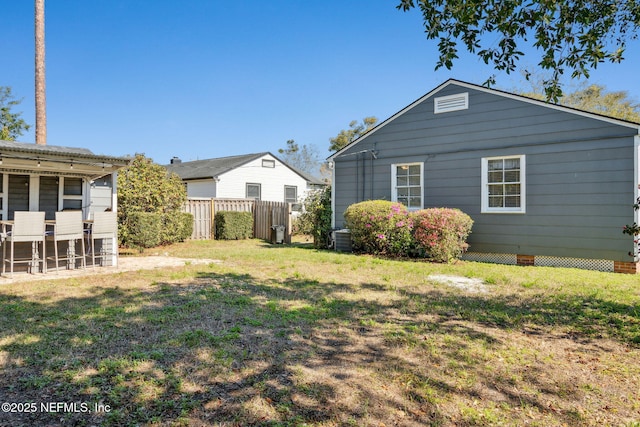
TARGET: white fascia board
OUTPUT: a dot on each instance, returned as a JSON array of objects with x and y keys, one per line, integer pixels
[
  {"x": 390, "y": 119},
  {"x": 546, "y": 104}
]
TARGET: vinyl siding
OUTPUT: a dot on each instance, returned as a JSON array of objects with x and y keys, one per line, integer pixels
[
  {"x": 579, "y": 173},
  {"x": 272, "y": 180}
]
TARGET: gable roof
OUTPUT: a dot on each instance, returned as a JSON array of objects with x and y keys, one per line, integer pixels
[
  {"x": 498, "y": 92},
  {"x": 211, "y": 168}
]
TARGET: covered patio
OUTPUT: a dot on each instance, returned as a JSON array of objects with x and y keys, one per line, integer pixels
[{"x": 50, "y": 179}]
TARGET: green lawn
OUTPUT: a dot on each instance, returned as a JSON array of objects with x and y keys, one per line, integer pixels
[{"x": 289, "y": 336}]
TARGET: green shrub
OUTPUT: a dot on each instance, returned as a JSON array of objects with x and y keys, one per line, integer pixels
[
  {"x": 145, "y": 229},
  {"x": 440, "y": 233},
  {"x": 233, "y": 225},
  {"x": 178, "y": 227},
  {"x": 146, "y": 187},
  {"x": 379, "y": 227},
  {"x": 315, "y": 220}
]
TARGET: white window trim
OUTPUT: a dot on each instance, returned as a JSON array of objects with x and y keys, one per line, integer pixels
[
  {"x": 286, "y": 187},
  {"x": 437, "y": 109},
  {"x": 485, "y": 186},
  {"x": 394, "y": 183},
  {"x": 257, "y": 184},
  {"x": 268, "y": 163},
  {"x": 62, "y": 197}
]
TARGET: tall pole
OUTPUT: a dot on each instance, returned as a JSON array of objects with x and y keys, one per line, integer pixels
[{"x": 41, "y": 98}]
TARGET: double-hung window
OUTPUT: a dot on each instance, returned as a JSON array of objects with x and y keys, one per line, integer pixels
[
  {"x": 291, "y": 196},
  {"x": 72, "y": 193},
  {"x": 406, "y": 184},
  {"x": 290, "y": 193},
  {"x": 503, "y": 184},
  {"x": 254, "y": 191}
]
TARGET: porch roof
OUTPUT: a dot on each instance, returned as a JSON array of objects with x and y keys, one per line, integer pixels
[{"x": 20, "y": 157}]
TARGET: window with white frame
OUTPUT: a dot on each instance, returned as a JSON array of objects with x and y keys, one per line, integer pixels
[
  {"x": 254, "y": 191},
  {"x": 267, "y": 163},
  {"x": 406, "y": 184},
  {"x": 290, "y": 193},
  {"x": 503, "y": 184},
  {"x": 291, "y": 196},
  {"x": 72, "y": 193}
]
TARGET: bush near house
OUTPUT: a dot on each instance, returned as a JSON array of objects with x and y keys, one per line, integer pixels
[
  {"x": 233, "y": 225},
  {"x": 150, "y": 203},
  {"x": 315, "y": 219},
  {"x": 441, "y": 233},
  {"x": 387, "y": 228},
  {"x": 177, "y": 227},
  {"x": 149, "y": 229},
  {"x": 380, "y": 227},
  {"x": 143, "y": 229}
]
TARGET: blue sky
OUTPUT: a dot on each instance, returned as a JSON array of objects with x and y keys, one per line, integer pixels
[{"x": 205, "y": 78}]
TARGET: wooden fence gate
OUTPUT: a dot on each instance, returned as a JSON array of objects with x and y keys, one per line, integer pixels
[
  {"x": 265, "y": 215},
  {"x": 202, "y": 217}
]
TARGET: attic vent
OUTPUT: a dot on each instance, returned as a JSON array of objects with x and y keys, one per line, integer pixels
[{"x": 445, "y": 104}]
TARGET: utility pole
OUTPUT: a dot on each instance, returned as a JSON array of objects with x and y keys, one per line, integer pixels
[{"x": 41, "y": 97}]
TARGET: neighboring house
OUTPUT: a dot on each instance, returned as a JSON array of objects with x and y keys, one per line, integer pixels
[
  {"x": 260, "y": 176},
  {"x": 544, "y": 184},
  {"x": 52, "y": 178}
]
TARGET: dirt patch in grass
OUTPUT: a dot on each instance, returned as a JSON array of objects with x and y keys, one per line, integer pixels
[
  {"x": 462, "y": 283},
  {"x": 289, "y": 336},
  {"x": 125, "y": 263}
]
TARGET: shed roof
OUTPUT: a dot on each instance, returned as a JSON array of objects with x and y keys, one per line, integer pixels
[{"x": 47, "y": 159}]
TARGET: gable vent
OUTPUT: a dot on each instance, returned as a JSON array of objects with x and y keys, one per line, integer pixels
[{"x": 445, "y": 104}]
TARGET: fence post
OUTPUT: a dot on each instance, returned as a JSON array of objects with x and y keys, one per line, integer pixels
[
  {"x": 213, "y": 218},
  {"x": 287, "y": 234}
]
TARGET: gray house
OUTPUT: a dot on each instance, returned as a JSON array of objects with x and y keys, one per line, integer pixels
[{"x": 544, "y": 184}]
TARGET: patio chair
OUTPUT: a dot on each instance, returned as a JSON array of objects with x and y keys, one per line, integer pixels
[
  {"x": 26, "y": 227},
  {"x": 68, "y": 227},
  {"x": 104, "y": 227}
]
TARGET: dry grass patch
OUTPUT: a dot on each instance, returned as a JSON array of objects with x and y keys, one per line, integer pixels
[{"x": 289, "y": 336}]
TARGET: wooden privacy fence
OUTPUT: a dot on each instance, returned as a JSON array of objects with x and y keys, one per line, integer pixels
[
  {"x": 265, "y": 215},
  {"x": 202, "y": 217}
]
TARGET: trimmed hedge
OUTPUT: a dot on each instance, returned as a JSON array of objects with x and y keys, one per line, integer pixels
[
  {"x": 178, "y": 227},
  {"x": 149, "y": 229},
  {"x": 232, "y": 225},
  {"x": 145, "y": 229}
]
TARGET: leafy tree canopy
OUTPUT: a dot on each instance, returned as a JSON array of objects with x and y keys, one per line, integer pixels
[
  {"x": 573, "y": 36},
  {"x": 597, "y": 99},
  {"x": 11, "y": 125},
  {"x": 355, "y": 131}
]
